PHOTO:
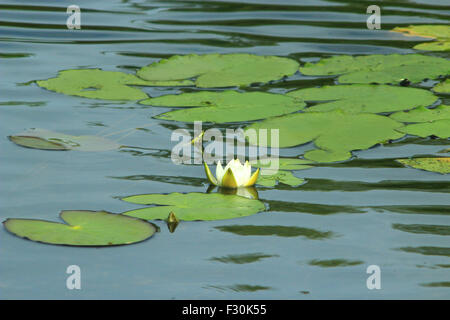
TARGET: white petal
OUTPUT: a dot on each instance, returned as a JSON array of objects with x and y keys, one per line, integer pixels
[
  {"x": 219, "y": 173},
  {"x": 247, "y": 171}
]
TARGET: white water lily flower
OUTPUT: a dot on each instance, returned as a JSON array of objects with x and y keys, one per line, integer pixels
[{"x": 234, "y": 175}]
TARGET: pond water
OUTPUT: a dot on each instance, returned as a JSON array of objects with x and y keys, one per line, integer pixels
[{"x": 371, "y": 210}]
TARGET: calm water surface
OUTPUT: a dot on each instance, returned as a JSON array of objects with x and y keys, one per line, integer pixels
[{"x": 324, "y": 234}]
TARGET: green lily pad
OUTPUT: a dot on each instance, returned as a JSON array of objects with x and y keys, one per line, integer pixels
[
  {"x": 226, "y": 106},
  {"x": 379, "y": 68},
  {"x": 280, "y": 176},
  {"x": 220, "y": 70},
  {"x": 423, "y": 114},
  {"x": 83, "y": 228},
  {"x": 99, "y": 84},
  {"x": 194, "y": 206},
  {"x": 438, "y": 128},
  {"x": 434, "y": 46},
  {"x": 443, "y": 87},
  {"x": 358, "y": 98},
  {"x": 336, "y": 133},
  {"x": 49, "y": 140},
  {"x": 441, "y": 165},
  {"x": 441, "y": 33}
]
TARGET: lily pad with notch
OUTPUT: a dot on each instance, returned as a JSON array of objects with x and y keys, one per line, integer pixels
[
  {"x": 443, "y": 87},
  {"x": 379, "y": 68},
  {"x": 225, "y": 106},
  {"x": 99, "y": 84},
  {"x": 335, "y": 133},
  {"x": 440, "y": 165},
  {"x": 83, "y": 228},
  {"x": 220, "y": 70},
  {"x": 193, "y": 206},
  {"x": 437, "y": 128},
  {"x": 422, "y": 114},
  {"x": 357, "y": 98},
  {"x": 270, "y": 178},
  {"x": 439, "y": 33}
]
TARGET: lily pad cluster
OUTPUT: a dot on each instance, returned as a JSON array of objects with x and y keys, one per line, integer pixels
[
  {"x": 225, "y": 106},
  {"x": 100, "y": 228},
  {"x": 209, "y": 71},
  {"x": 365, "y": 108},
  {"x": 335, "y": 133},
  {"x": 220, "y": 70},
  {"x": 99, "y": 84},
  {"x": 379, "y": 68}
]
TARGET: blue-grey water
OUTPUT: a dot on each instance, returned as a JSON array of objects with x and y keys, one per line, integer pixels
[{"x": 376, "y": 211}]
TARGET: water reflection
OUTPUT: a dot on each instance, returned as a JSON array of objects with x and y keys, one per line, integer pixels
[
  {"x": 423, "y": 228},
  {"x": 279, "y": 231},
  {"x": 335, "y": 263},
  {"x": 313, "y": 208},
  {"x": 428, "y": 251},
  {"x": 186, "y": 181},
  {"x": 243, "y": 258},
  {"x": 238, "y": 288},
  {"x": 23, "y": 103},
  {"x": 436, "y": 284},
  {"x": 359, "y": 186},
  {"x": 248, "y": 192},
  {"x": 431, "y": 210}
]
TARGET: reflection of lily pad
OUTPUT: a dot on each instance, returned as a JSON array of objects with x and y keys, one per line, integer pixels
[
  {"x": 226, "y": 106},
  {"x": 98, "y": 84},
  {"x": 423, "y": 228},
  {"x": 443, "y": 87},
  {"x": 49, "y": 140},
  {"x": 365, "y": 98},
  {"x": 280, "y": 176},
  {"x": 83, "y": 228},
  {"x": 423, "y": 114},
  {"x": 194, "y": 206},
  {"x": 239, "y": 288},
  {"x": 441, "y": 33},
  {"x": 220, "y": 70},
  {"x": 280, "y": 231},
  {"x": 428, "y": 251},
  {"x": 335, "y": 263},
  {"x": 441, "y": 165},
  {"x": 243, "y": 258},
  {"x": 336, "y": 133},
  {"x": 445, "y": 284},
  {"x": 379, "y": 68},
  {"x": 438, "y": 128},
  {"x": 283, "y": 163}
]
